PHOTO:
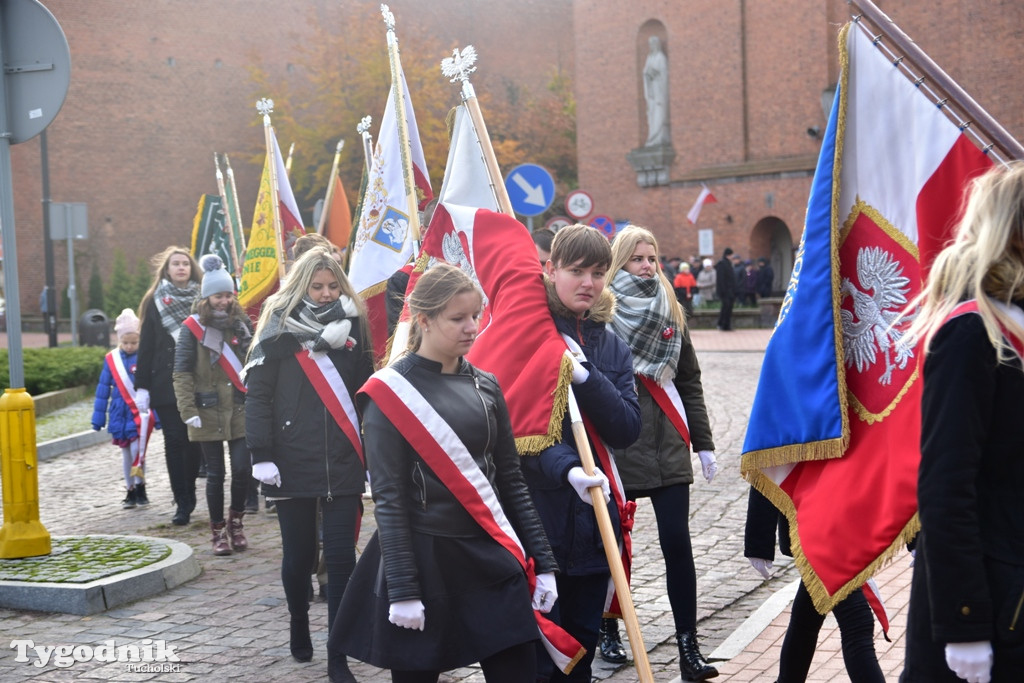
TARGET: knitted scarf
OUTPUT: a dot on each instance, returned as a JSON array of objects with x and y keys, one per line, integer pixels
[
  {"x": 174, "y": 304},
  {"x": 643, "y": 319},
  {"x": 303, "y": 327}
]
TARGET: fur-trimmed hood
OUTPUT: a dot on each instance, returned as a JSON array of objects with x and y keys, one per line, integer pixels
[{"x": 602, "y": 311}]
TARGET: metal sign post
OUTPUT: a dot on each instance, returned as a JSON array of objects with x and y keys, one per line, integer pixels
[{"x": 70, "y": 221}]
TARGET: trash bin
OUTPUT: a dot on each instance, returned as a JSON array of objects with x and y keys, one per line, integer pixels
[{"x": 94, "y": 328}]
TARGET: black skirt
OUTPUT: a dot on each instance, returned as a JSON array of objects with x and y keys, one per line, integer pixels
[{"x": 475, "y": 597}]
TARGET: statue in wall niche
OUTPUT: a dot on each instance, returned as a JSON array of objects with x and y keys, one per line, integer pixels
[{"x": 655, "y": 78}]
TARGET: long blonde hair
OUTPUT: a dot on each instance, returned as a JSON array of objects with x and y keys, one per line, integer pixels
[
  {"x": 623, "y": 248},
  {"x": 984, "y": 262},
  {"x": 296, "y": 285}
]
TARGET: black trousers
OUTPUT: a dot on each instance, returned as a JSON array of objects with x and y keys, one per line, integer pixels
[
  {"x": 514, "y": 665},
  {"x": 672, "y": 510},
  {"x": 297, "y": 518},
  {"x": 182, "y": 456},
  {"x": 856, "y": 628},
  {"x": 578, "y": 610},
  {"x": 725, "y": 313},
  {"x": 241, "y": 473}
]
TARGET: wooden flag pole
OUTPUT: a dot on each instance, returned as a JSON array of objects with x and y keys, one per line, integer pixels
[
  {"x": 233, "y": 189},
  {"x": 398, "y": 93},
  {"x": 980, "y": 119},
  {"x": 265, "y": 107},
  {"x": 364, "y": 133},
  {"x": 458, "y": 67},
  {"x": 288, "y": 161},
  {"x": 329, "y": 197},
  {"x": 611, "y": 548},
  {"x": 235, "y": 255}
]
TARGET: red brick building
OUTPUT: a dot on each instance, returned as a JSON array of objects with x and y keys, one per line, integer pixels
[
  {"x": 158, "y": 86},
  {"x": 746, "y": 84}
]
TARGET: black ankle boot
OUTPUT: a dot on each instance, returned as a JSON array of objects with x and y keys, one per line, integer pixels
[
  {"x": 610, "y": 644},
  {"x": 692, "y": 664},
  {"x": 299, "y": 640},
  {"x": 337, "y": 668}
]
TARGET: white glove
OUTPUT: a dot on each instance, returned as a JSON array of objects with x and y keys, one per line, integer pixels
[
  {"x": 913, "y": 556},
  {"x": 581, "y": 481},
  {"x": 970, "y": 661},
  {"x": 142, "y": 400},
  {"x": 708, "y": 464},
  {"x": 194, "y": 422},
  {"x": 267, "y": 473},
  {"x": 761, "y": 566},
  {"x": 574, "y": 347},
  {"x": 545, "y": 593},
  {"x": 579, "y": 373},
  {"x": 408, "y": 614},
  {"x": 336, "y": 332}
]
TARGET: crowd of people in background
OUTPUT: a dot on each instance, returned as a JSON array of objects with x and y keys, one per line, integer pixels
[{"x": 475, "y": 545}]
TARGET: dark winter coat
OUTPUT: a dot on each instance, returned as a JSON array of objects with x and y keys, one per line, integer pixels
[
  {"x": 764, "y": 521},
  {"x": 608, "y": 399},
  {"x": 287, "y": 423},
  {"x": 155, "y": 359},
  {"x": 203, "y": 388},
  {"x": 660, "y": 457},
  {"x": 968, "y": 582},
  {"x": 725, "y": 280},
  {"x": 122, "y": 423},
  {"x": 410, "y": 500}
]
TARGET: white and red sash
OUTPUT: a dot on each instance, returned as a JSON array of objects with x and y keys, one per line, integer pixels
[
  {"x": 671, "y": 403},
  {"x": 228, "y": 361},
  {"x": 443, "y": 451},
  {"x": 143, "y": 421},
  {"x": 972, "y": 307},
  {"x": 627, "y": 513},
  {"x": 330, "y": 387}
]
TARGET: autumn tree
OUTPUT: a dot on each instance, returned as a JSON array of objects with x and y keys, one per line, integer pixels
[{"x": 346, "y": 74}]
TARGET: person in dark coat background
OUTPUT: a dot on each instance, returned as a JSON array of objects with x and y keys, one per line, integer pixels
[
  {"x": 966, "y": 618},
  {"x": 725, "y": 289}
]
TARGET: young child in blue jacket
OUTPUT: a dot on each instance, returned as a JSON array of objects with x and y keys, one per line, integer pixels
[{"x": 115, "y": 399}]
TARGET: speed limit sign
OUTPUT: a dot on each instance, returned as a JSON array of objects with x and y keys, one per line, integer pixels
[{"x": 579, "y": 204}]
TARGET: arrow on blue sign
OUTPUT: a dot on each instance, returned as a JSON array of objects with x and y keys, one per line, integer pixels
[{"x": 531, "y": 189}]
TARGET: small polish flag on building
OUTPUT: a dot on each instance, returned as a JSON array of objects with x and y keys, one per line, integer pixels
[{"x": 705, "y": 197}]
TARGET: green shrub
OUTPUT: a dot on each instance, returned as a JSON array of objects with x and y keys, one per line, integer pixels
[{"x": 60, "y": 368}]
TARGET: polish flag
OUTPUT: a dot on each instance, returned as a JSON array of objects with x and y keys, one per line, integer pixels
[
  {"x": 705, "y": 197},
  {"x": 834, "y": 432}
]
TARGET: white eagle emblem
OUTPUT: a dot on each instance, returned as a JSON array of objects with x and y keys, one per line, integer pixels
[{"x": 878, "y": 298}]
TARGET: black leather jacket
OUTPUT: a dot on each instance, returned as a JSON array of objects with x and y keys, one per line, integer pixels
[{"x": 408, "y": 496}]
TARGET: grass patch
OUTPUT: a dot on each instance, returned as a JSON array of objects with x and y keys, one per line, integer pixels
[{"x": 81, "y": 559}]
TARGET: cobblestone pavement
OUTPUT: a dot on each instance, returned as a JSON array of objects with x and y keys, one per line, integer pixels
[{"x": 232, "y": 621}]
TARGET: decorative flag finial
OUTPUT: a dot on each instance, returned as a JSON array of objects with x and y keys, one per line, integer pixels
[
  {"x": 364, "y": 124},
  {"x": 265, "y": 106},
  {"x": 389, "y": 18},
  {"x": 460, "y": 65}
]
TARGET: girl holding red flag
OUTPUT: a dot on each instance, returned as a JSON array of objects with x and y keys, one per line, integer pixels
[
  {"x": 459, "y": 550},
  {"x": 649, "y": 318},
  {"x": 602, "y": 379},
  {"x": 211, "y": 397},
  {"x": 966, "y": 620},
  {"x": 311, "y": 355}
]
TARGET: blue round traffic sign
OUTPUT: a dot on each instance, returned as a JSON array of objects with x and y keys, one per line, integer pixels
[
  {"x": 605, "y": 224},
  {"x": 530, "y": 188}
]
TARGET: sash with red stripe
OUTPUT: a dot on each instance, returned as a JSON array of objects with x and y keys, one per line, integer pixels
[
  {"x": 627, "y": 513},
  {"x": 972, "y": 307},
  {"x": 440, "y": 447},
  {"x": 143, "y": 421},
  {"x": 228, "y": 361},
  {"x": 671, "y": 403},
  {"x": 330, "y": 387}
]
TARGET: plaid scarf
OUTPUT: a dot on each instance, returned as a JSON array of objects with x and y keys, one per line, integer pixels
[
  {"x": 304, "y": 327},
  {"x": 643, "y": 319},
  {"x": 174, "y": 304}
]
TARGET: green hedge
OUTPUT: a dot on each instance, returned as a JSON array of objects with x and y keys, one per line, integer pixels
[{"x": 54, "y": 369}]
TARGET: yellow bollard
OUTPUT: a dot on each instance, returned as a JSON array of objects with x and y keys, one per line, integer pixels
[{"x": 22, "y": 534}]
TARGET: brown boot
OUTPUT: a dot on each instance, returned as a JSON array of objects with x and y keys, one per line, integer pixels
[
  {"x": 238, "y": 540},
  {"x": 220, "y": 538}
]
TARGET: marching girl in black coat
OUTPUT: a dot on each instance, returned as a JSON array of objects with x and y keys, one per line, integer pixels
[
  {"x": 312, "y": 354},
  {"x": 443, "y": 583},
  {"x": 966, "y": 619}
]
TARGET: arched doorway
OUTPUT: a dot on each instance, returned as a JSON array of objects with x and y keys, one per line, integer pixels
[{"x": 771, "y": 239}]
